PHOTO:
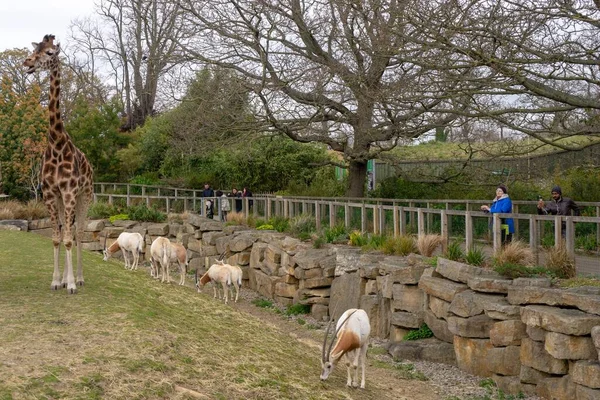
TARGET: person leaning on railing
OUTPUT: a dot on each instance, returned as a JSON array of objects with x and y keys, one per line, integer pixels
[
  {"x": 559, "y": 205},
  {"x": 502, "y": 204}
]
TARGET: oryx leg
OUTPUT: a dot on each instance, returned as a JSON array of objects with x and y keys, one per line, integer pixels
[
  {"x": 181, "y": 274},
  {"x": 363, "y": 361},
  {"x": 136, "y": 259}
]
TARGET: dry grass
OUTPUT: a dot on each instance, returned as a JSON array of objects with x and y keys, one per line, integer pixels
[
  {"x": 149, "y": 340},
  {"x": 559, "y": 262},
  {"x": 236, "y": 218},
  {"x": 427, "y": 244},
  {"x": 35, "y": 210},
  {"x": 514, "y": 253},
  {"x": 127, "y": 336},
  {"x": 12, "y": 209}
]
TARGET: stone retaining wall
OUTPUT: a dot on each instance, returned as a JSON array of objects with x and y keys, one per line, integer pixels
[{"x": 523, "y": 333}]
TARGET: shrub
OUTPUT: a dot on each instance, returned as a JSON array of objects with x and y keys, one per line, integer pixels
[
  {"x": 266, "y": 227},
  {"x": 297, "y": 308},
  {"x": 513, "y": 271},
  {"x": 35, "y": 210},
  {"x": 118, "y": 217},
  {"x": 454, "y": 252},
  {"x": 514, "y": 253},
  {"x": 401, "y": 245},
  {"x": 587, "y": 242},
  {"x": 262, "y": 303},
  {"x": 422, "y": 333},
  {"x": 375, "y": 242},
  {"x": 259, "y": 222},
  {"x": 11, "y": 209},
  {"x": 143, "y": 213},
  {"x": 335, "y": 234},
  {"x": 427, "y": 244},
  {"x": 318, "y": 242},
  {"x": 302, "y": 225},
  {"x": 475, "y": 257},
  {"x": 559, "y": 262},
  {"x": 101, "y": 210},
  {"x": 357, "y": 238},
  {"x": 280, "y": 224}
]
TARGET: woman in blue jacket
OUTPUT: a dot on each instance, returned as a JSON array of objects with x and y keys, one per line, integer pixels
[{"x": 502, "y": 204}]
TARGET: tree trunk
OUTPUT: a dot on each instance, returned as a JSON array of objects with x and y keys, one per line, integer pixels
[{"x": 357, "y": 174}]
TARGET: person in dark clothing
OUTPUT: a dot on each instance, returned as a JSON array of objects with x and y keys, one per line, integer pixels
[
  {"x": 208, "y": 193},
  {"x": 559, "y": 205},
  {"x": 247, "y": 193},
  {"x": 238, "y": 199}
]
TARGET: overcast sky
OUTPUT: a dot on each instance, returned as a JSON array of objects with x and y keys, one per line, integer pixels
[{"x": 26, "y": 21}]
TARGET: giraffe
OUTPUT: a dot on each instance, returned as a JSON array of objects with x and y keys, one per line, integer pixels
[{"x": 66, "y": 174}]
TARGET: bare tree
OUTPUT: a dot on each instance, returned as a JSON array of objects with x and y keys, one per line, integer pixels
[
  {"x": 539, "y": 58},
  {"x": 136, "y": 39},
  {"x": 337, "y": 72}
]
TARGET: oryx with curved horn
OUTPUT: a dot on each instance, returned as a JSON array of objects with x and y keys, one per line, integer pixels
[{"x": 351, "y": 339}]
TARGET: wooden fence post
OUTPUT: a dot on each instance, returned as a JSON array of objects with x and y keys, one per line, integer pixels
[
  {"x": 363, "y": 218},
  {"x": 557, "y": 231},
  {"x": 497, "y": 232},
  {"x": 570, "y": 238},
  {"x": 421, "y": 222},
  {"x": 402, "y": 221},
  {"x": 331, "y": 214},
  {"x": 516, "y": 222},
  {"x": 395, "y": 219},
  {"x": 533, "y": 238},
  {"x": 317, "y": 216},
  {"x": 347, "y": 215},
  {"x": 444, "y": 231},
  {"x": 468, "y": 231}
]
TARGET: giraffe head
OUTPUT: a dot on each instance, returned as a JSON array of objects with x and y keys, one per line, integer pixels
[{"x": 44, "y": 56}]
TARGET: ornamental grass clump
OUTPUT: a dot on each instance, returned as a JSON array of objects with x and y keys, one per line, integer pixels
[
  {"x": 428, "y": 244},
  {"x": 560, "y": 263},
  {"x": 515, "y": 253}
]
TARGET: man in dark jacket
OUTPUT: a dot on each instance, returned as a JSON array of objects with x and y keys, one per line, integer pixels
[
  {"x": 208, "y": 193},
  {"x": 558, "y": 206}
]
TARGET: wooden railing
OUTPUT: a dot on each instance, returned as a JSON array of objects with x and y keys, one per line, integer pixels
[{"x": 377, "y": 216}]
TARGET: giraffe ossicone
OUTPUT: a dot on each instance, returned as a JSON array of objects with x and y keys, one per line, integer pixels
[{"x": 67, "y": 176}]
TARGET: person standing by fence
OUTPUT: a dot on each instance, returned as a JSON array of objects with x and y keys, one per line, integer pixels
[
  {"x": 225, "y": 207},
  {"x": 237, "y": 200},
  {"x": 208, "y": 194},
  {"x": 559, "y": 205},
  {"x": 502, "y": 204},
  {"x": 247, "y": 193}
]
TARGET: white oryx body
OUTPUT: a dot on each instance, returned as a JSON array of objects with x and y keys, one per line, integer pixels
[
  {"x": 179, "y": 256},
  {"x": 217, "y": 274},
  {"x": 236, "y": 279},
  {"x": 129, "y": 243},
  {"x": 351, "y": 339},
  {"x": 160, "y": 257}
]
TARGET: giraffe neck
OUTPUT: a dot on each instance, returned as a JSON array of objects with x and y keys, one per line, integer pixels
[{"x": 57, "y": 136}]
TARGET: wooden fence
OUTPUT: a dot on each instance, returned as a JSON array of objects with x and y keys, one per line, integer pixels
[{"x": 450, "y": 218}]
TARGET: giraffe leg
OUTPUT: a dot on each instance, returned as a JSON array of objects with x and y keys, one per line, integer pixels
[
  {"x": 80, "y": 226},
  {"x": 50, "y": 201},
  {"x": 68, "y": 241}
]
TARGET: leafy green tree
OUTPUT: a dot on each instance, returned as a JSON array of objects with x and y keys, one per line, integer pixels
[
  {"x": 94, "y": 129},
  {"x": 23, "y": 127}
]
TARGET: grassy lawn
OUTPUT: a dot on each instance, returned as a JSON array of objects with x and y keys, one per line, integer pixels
[{"x": 127, "y": 336}]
